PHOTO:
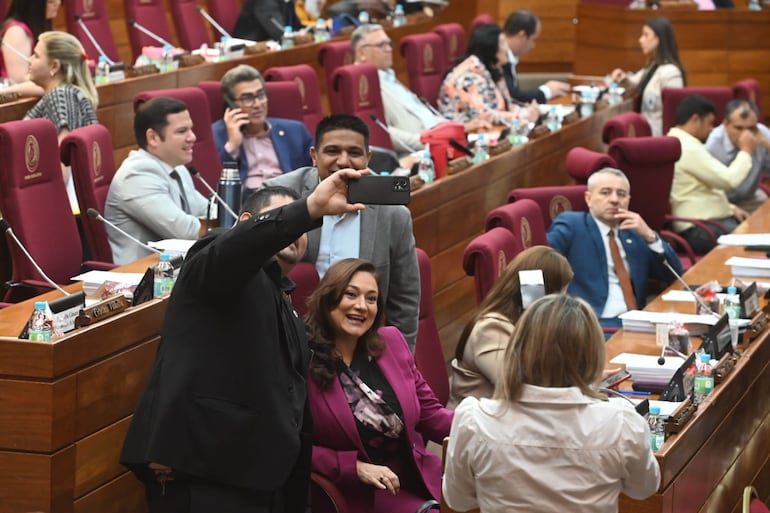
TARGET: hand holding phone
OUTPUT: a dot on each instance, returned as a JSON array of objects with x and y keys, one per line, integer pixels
[
  {"x": 379, "y": 190},
  {"x": 238, "y": 115}
]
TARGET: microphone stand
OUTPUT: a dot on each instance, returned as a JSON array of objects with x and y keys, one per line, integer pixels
[
  {"x": 213, "y": 22},
  {"x": 149, "y": 33},
  {"x": 7, "y": 228},
  {"x": 91, "y": 38},
  {"x": 96, "y": 215},
  {"x": 698, "y": 299},
  {"x": 382, "y": 125},
  {"x": 14, "y": 50},
  {"x": 219, "y": 199}
]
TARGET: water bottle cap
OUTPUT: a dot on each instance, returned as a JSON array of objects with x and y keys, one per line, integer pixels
[
  {"x": 481, "y": 137},
  {"x": 654, "y": 410},
  {"x": 102, "y": 58},
  {"x": 165, "y": 257},
  {"x": 166, "y": 48},
  {"x": 705, "y": 357},
  {"x": 426, "y": 154},
  {"x": 40, "y": 305},
  {"x": 288, "y": 28},
  {"x": 732, "y": 290},
  {"x": 319, "y": 21},
  {"x": 384, "y": 173},
  {"x": 399, "y": 7}
]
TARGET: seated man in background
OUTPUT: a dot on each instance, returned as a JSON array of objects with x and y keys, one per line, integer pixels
[
  {"x": 379, "y": 233},
  {"x": 611, "y": 250},
  {"x": 263, "y": 147},
  {"x": 722, "y": 143},
  {"x": 700, "y": 180},
  {"x": 521, "y": 29},
  {"x": 261, "y": 20},
  {"x": 152, "y": 196},
  {"x": 406, "y": 114}
]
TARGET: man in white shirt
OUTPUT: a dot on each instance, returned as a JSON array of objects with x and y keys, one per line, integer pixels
[{"x": 521, "y": 29}]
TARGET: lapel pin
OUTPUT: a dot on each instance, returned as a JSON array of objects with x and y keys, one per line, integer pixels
[
  {"x": 629, "y": 241},
  {"x": 280, "y": 132}
]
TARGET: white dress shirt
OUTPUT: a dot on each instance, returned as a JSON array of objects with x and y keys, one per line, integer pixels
[
  {"x": 340, "y": 239},
  {"x": 553, "y": 450}
]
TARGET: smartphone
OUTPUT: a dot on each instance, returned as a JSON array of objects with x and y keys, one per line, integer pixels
[
  {"x": 231, "y": 104},
  {"x": 379, "y": 190},
  {"x": 615, "y": 380}
]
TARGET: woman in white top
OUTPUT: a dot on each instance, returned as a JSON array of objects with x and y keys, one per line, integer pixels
[
  {"x": 479, "y": 352},
  {"x": 663, "y": 69},
  {"x": 549, "y": 441}
]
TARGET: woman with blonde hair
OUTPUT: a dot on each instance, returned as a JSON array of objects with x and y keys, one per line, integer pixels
[
  {"x": 59, "y": 66},
  {"x": 479, "y": 352},
  {"x": 548, "y": 429}
]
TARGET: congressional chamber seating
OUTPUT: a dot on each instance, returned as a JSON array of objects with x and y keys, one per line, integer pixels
[
  {"x": 648, "y": 162},
  {"x": 553, "y": 199},
  {"x": 356, "y": 88},
  {"x": 428, "y": 353},
  {"x": 225, "y": 12},
  {"x": 424, "y": 55},
  {"x": 325, "y": 496},
  {"x": 191, "y": 28},
  {"x": 89, "y": 153},
  {"x": 748, "y": 89},
  {"x": 333, "y": 55},
  {"x": 284, "y": 100},
  {"x": 35, "y": 204},
  {"x": 720, "y": 96},
  {"x": 215, "y": 98},
  {"x": 151, "y": 14},
  {"x": 486, "y": 256},
  {"x": 628, "y": 124},
  {"x": 523, "y": 219},
  {"x": 305, "y": 277},
  {"x": 482, "y": 19},
  {"x": 306, "y": 79},
  {"x": 581, "y": 163},
  {"x": 205, "y": 154},
  {"x": 453, "y": 36},
  {"x": 96, "y": 17}
]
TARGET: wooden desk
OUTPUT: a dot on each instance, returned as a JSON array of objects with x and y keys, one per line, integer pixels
[{"x": 726, "y": 446}]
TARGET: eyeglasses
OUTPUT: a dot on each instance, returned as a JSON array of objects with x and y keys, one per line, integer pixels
[
  {"x": 248, "y": 99},
  {"x": 382, "y": 45}
]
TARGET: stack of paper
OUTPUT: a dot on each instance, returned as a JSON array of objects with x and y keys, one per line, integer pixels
[
  {"x": 745, "y": 266},
  {"x": 646, "y": 368},
  {"x": 173, "y": 246},
  {"x": 639, "y": 320},
  {"x": 92, "y": 280},
  {"x": 744, "y": 239}
]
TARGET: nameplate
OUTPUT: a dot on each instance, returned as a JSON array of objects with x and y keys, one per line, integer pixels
[
  {"x": 756, "y": 327},
  {"x": 188, "y": 60},
  {"x": 9, "y": 97},
  {"x": 105, "y": 309},
  {"x": 457, "y": 165},
  {"x": 140, "y": 71},
  {"x": 571, "y": 118},
  {"x": 303, "y": 39},
  {"x": 415, "y": 183},
  {"x": 117, "y": 71},
  {"x": 724, "y": 367},
  {"x": 539, "y": 131},
  {"x": 502, "y": 146},
  {"x": 260, "y": 47},
  {"x": 681, "y": 416}
]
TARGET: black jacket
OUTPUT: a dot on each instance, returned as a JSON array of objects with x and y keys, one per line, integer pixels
[{"x": 255, "y": 22}]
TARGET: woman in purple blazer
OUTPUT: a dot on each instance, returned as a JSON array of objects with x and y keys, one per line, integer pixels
[{"x": 372, "y": 409}]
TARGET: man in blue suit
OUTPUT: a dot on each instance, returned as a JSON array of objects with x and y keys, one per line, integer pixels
[
  {"x": 264, "y": 147},
  {"x": 584, "y": 238}
]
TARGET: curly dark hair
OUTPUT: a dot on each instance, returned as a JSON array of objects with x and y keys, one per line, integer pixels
[{"x": 318, "y": 322}]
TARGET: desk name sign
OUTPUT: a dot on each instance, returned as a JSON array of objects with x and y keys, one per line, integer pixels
[
  {"x": 104, "y": 309},
  {"x": 65, "y": 310}
]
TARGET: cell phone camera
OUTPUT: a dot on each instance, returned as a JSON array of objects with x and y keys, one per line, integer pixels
[{"x": 400, "y": 183}]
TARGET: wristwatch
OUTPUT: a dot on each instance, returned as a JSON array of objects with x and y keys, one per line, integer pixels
[{"x": 655, "y": 238}]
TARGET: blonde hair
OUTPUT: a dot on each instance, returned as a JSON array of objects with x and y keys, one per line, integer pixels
[
  {"x": 558, "y": 343},
  {"x": 72, "y": 58}
]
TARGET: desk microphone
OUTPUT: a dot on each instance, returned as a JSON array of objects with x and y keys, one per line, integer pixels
[
  {"x": 135, "y": 24},
  {"x": 219, "y": 199},
  {"x": 213, "y": 22},
  {"x": 14, "y": 50},
  {"x": 91, "y": 38},
  {"x": 642, "y": 408},
  {"x": 6, "y": 227},
  {"x": 277, "y": 23},
  {"x": 460, "y": 147},
  {"x": 96, "y": 215},
  {"x": 702, "y": 304},
  {"x": 662, "y": 359},
  {"x": 431, "y": 107},
  {"x": 393, "y": 136}
]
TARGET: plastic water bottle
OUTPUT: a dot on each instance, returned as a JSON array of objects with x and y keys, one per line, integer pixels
[
  {"x": 704, "y": 379},
  {"x": 102, "y": 71},
  {"x": 754, "y": 5},
  {"x": 164, "y": 276},
  {"x": 480, "y": 150},
  {"x": 229, "y": 189},
  {"x": 287, "y": 41},
  {"x": 363, "y": 18},
  {"x": 39, "y": 326},
  {"x": 399, "y": 18},
  {"x": 321, "y": 33},
  {"x": 167, "y": 58},
  {"x": 518, "y": 132},
  {"x": 426, "y": 169},
  {"x": 657, "y": 428},
  {"x": 732, "y": 303},
  {"x": 552, "y": 120}
]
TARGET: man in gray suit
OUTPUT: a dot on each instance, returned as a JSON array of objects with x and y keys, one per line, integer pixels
[
  {"x": 382, "y": 234},
  {"x": 152, "y": 196}
]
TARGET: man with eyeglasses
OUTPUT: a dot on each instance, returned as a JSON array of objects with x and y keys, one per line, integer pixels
[
  {"x": 264, "y": 147},
  {"x": 406, "y": 114}
]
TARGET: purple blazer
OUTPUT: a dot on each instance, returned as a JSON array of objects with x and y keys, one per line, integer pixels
[{"x": 337, "y": 446}]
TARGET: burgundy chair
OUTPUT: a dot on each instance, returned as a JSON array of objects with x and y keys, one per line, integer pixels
[
  {"x": 285, "y": 100},
  {"x": 648, "y": 162},
  {"x": 553, "y": 200},
  {"x": 424, "y": 54},
  {"x": 582, "y": 163},
  {"x": 628, "y": 124},
  {"x": 192, "y": 29},
  {"x": 720, "y": 96},
  {"x": 307, "y": 81},
  {"x": 752, "y": 503},
  {"x": 151, "y": 14},
  {"x": 523, "y": 219},
  {"x": 95, "y": 16},
  {"x": 205, "y": 154},
  {"x": 89, "y": 153},
  {"x": 428, "y": 353},
  {"x": 356, "y": 88},
  {"x": 487, "y": 255},
  {"x": 35, "y": 204},
  {"x": 225, "y": 12},
  {"x": 453, "y": 35},
  {"x": 748, "y": 89},
  {"x": 305, "y": 276},
  {"x": 331, "y": 56},
  {"x": 215, "y": 98},
  {"x": 325, "y": 495},
  {"x": 482, "y": 19}
]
